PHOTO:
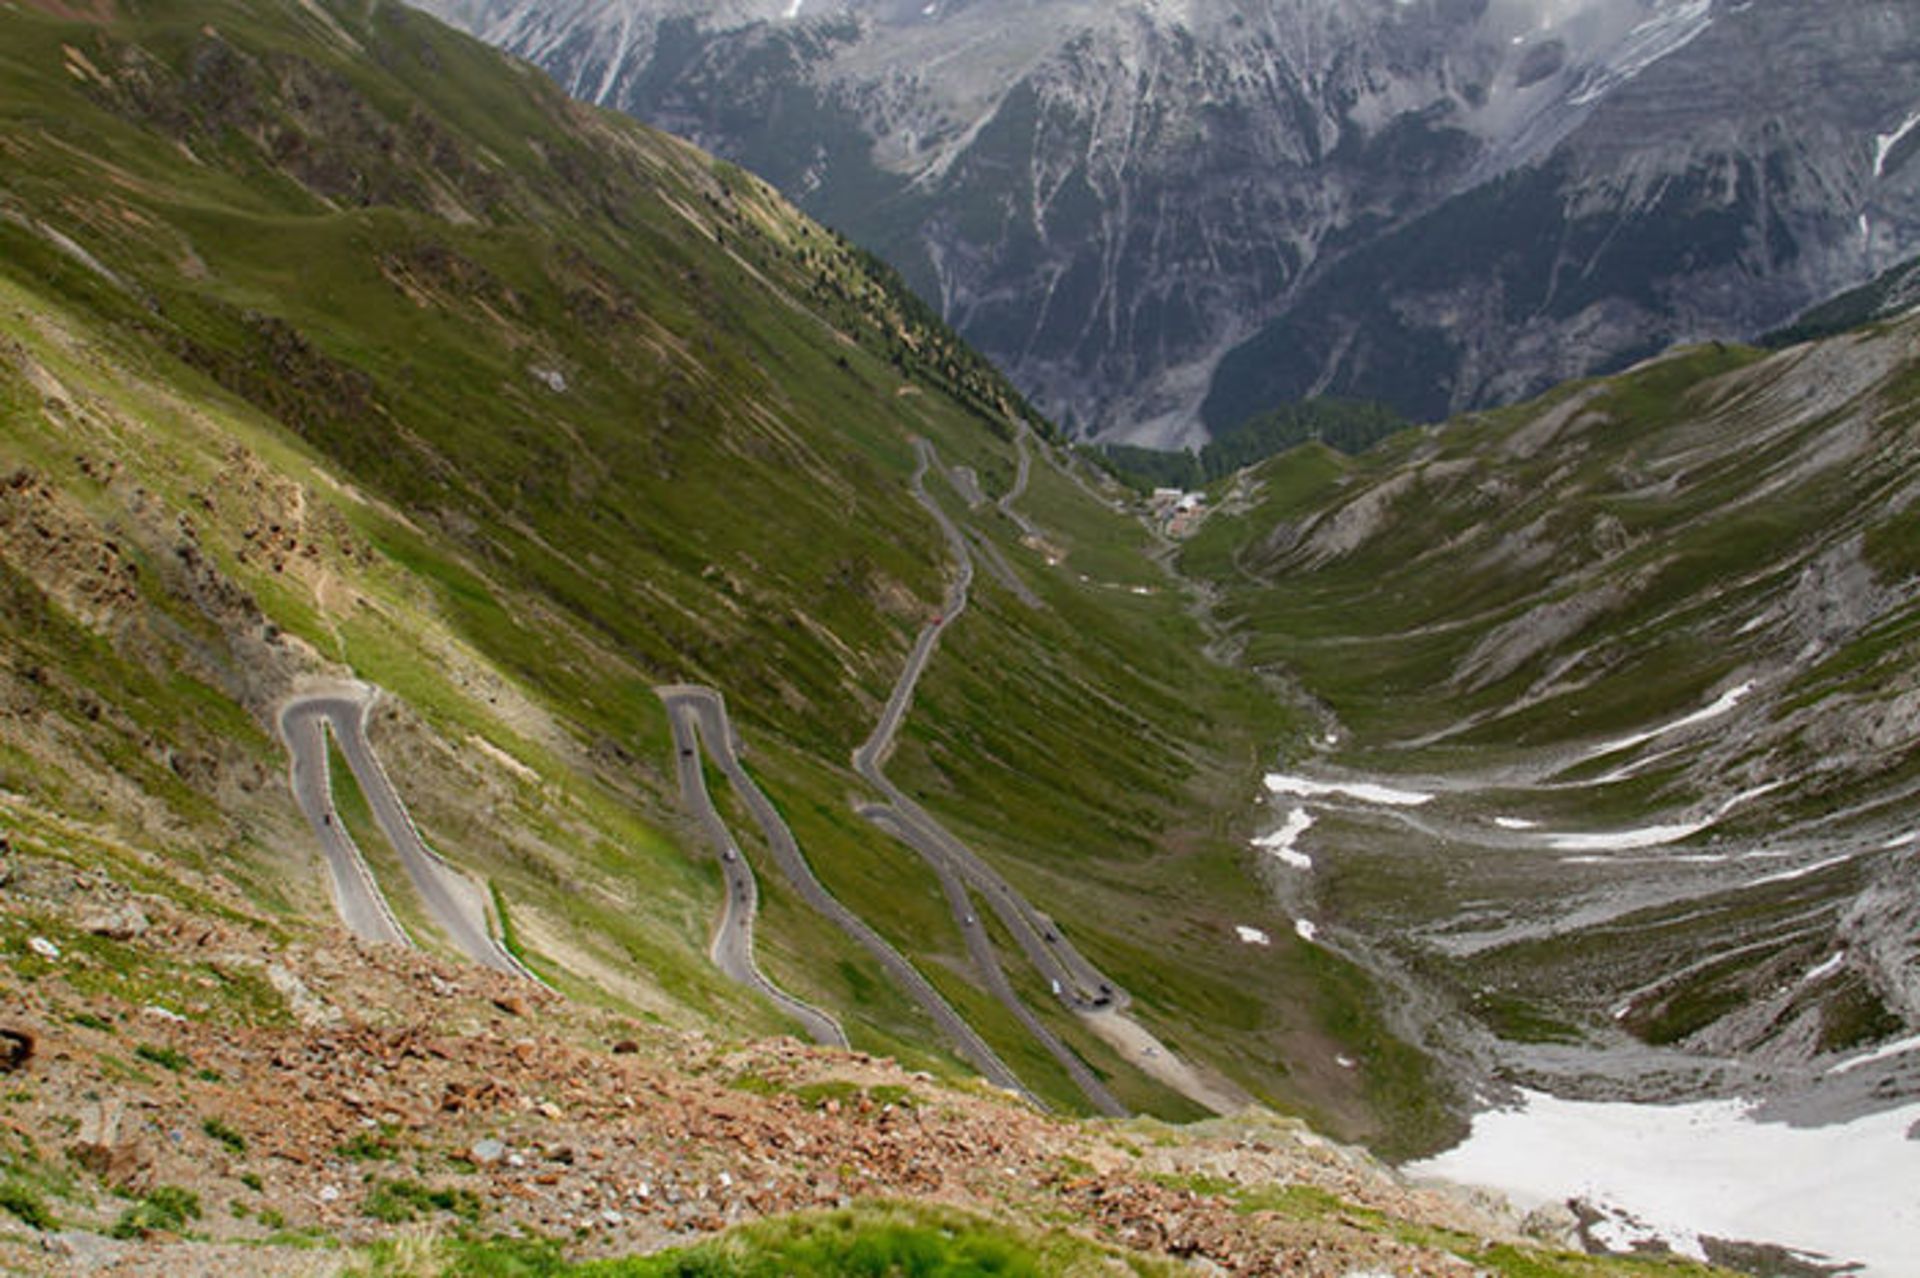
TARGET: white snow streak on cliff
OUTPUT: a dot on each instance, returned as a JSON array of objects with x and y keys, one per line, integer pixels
[
  {"x": 617, "y": 63},
  {"x": 1881, "y": 1053},
  {"x": 1884, "y": 143},
  {"x": 1654, "y": 836},
  {"x": 1364, "y": 791}
]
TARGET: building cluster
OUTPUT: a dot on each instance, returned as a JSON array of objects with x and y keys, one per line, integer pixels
[{"x": 1176, "y": 511}]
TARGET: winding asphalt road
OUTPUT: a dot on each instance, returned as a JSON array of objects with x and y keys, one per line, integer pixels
[
  {"x": 704, "y": 710},
  {"x": 356, "y": 897},
  {"x": 1073, "y": 979},
  {"x": 1023, "y": 469},
  {"x": 732, "y": 949},
  {"x": 456, "y": 902}
]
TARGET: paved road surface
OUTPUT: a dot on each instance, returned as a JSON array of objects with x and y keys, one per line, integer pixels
[
  {"x": 456, "y": 902},
  {"x": 986, "y": 960},
  {"x": 356, "y": 897},
  {"x": 705, "y": 707},
  {"x": 732, "y": 950},
  {"x": 1021, "y": 472},
  {"x": 1076, "y": 982}
]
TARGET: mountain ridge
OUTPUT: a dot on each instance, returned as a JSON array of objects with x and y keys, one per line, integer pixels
[{"x": 1165, "y": 219}]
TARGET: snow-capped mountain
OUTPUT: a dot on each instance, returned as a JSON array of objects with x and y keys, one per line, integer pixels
[{"x": 1143, "y": 207}]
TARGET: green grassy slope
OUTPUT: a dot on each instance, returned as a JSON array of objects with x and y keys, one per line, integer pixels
[{"x": 332, "y": 344}]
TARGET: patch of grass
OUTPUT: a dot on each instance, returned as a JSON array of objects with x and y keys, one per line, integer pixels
[
  {"x": 755, "y": 1084},
  {"x": 26, "y": 1204},
  {"x": 100, "y": 967},
  {"x": 509, "y": 937},
  {"x": 460, "y": 1257},
  {"x": 1856, "y": 1017},
  {"x": 167, "y": 1058},
  {"x": 378, "y": 1146},
  {"x": 164, "y": 1209},
  {"x": 116, "y": 1069},
  {"x": 218, "y": 1130},
  {"x": 395, "y": 1202},
  {"x": 879, "y": 1241},
  {"x": 1521, "y": 1020},
  {"x": 835, "y": 1090}
]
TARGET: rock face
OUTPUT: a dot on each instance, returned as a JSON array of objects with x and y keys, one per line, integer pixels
[
  {"x": 1752, "y": 171},
  {"x": 1144, "y": 208}
]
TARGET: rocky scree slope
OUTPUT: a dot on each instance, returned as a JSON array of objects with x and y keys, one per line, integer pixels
[
  {"x": 188, "y": 1092},
  {"x": 1646, "y": 647},
  {"x": 337, "y": 347},
  {"x": 1162, "y": 219}
]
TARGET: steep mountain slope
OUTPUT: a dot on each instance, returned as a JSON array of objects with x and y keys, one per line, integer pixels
[
  {"x": 341, "y": 352},
  {"x": 1109, "y": 199},
  {"x": 1757, "y": 169},
  {"x": 1635, "y": 664}
]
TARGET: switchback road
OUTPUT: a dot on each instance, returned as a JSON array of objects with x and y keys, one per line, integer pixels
[
  {"x": 704, "y": 707},
  {"x": 732, "y": 950},
  {"x": 458, "y": 904},
  {"x": 1076, "y": 982},
  {"x": 356, "y": 897}
]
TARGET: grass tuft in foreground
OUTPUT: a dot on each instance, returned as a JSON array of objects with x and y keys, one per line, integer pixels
[{"x": 882, "y": 1240}]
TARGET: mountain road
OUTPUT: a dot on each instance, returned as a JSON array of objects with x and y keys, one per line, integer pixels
[
  {"x": 705, "y": 707},
  {"x": 1074, "y": 980},
  {"x": 457, "y": 904},
  {"x": 732, "y": 949}
]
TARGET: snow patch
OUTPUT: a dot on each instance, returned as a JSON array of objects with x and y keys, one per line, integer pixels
[
  {"x": 1826, "y": 969},
  {"x": 1366, "y": 792},
  {"x": 1623, "y": 1233},
  {"x": 1651, "y": 836},
  {"x": 1725, "y": 702},
  {"x": 1281, "y": 841},
  {"x": 1788, "y": 876},
  {"x": 1883, "y": 143},
  {"x": 615, "y": 64},
  {"x": 1253, "y": 936},
  {"x": 1880, "y": 1053},
  {"x": 1654, "y": 836},
  {"x": 1305, "y": 930},
  {"x": 1708, "y": 1168},
  {"x": 1515, "y": 823}
]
